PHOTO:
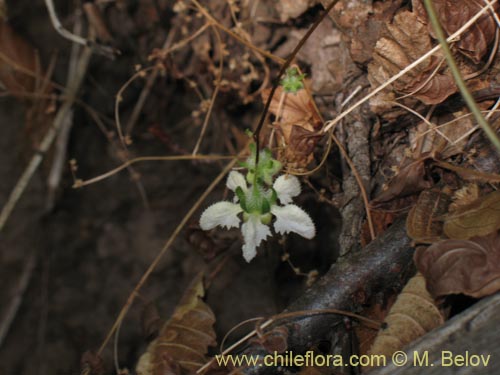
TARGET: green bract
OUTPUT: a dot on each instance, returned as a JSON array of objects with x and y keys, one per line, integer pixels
[{"x": 266, "y": 169}]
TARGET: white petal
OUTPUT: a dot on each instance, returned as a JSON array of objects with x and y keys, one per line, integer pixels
[
  {"x": 287, "y": 187},
  {"x": 253, "y": 233},
  {"x": 236, "y": 179},
  {"x": 292, "y": 218},
  {"x": 220, "y": 213}
]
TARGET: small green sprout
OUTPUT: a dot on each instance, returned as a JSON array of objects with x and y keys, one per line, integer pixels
[{"x": 293, "y": 81}]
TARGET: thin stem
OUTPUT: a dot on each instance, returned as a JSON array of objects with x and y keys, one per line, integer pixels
[
  {"x": 468, "y": 98},
  {"x": 282, "y": 71}
]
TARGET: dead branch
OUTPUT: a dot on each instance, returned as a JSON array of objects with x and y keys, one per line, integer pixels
[{"x": 385, "y": 263}]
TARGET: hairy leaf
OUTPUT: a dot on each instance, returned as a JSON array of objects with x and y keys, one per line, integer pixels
[
  {"x": 478, "y": 218},
  {"x": 462, "y": 266},
  {"x": 183, "y": 342},
  {"x": 413, "y": 314}
]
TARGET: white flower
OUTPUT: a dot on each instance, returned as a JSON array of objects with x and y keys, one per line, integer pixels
[
  {"x": 289, "y": 218},
  {"x": 287, "y": 187}
]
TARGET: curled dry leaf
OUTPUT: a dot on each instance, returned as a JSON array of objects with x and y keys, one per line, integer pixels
[
  {"x": 183, "y": 342},
  {"x": 453, "y": 14},
  {"x": 423, "y": 223},
  {"x": 413, "y": 314},
  {"x": 461, "y": 266},
  {"x": 411, "y": 179},
  {"x": 405, "y": 40},
  {"x": 298, "y": 122},
  {"x": 478, "y": 218}
]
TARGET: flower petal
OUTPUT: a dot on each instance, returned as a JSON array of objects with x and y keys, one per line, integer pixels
[
  {"x": 221, "y": 213},
  {"x": 236, "y": 179},
  {"x": 287, "y": 187},
  {"x": 253, "y": 233},
  {"x": 292, "y": 218}
]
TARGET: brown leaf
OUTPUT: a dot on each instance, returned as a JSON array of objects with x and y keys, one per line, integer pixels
[
  {"x": 469, "y": 174},
  {"x": 366, "y": 25},
  {"x": 404, "y": 41},
  {"x": 478, "y": 218},
  {"x": 413, "y": 314},
  {"x": 411, "y": 179},
  {"x": 275, "y": 340},
  {"x": 381, "y": 221},
  {"x": 464, "y": 196},
  {"x": 453, "y": 14},
  {"x": 298, "y": 122},
  {"x": 150, "y": 321},
  {"x": 17, "y": 60},
  {"x": 293, "y": 8},
  {"x": 423, "y": 224},
  {"x": 460, "y": 266},
  {"x": 92, "y": 363},
  {"x": 183, "y": 342}
]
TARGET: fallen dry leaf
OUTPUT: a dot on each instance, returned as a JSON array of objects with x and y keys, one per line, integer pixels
[
  {"x": 461, "y": 266},
  {"x": 298, "y": 122},
  {"x": 183, "y": 342},
  {"x": 413, "y": 314},
  {"x": 381, "y": 221},
  {"x": 423, "y": 223},
  {"x": 17, "y": 61},
  {"x": 404, "y": 41},
  {"x": 478, "y": 218},
  {"x": 411, "y": 179},
  {"x": 453, "y": 14},
  {"x": 293, "y": 8}
]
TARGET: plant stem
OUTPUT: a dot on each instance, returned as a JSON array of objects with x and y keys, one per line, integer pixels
[{"x": 282, "y": 71}]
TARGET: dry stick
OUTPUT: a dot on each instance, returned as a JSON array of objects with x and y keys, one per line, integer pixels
[
  {"x": 471, "y": 103},
  {"x": 61, "y": 144},
  {"x": 119, "y": 98},
  {"x": 169, "y": 242},
  {"x": 147, "y": 87},
  {"x": 288, "y": 315},
  {"x": 80, "y": 183},
  {"x": 47, "y": 141},
  {"x": 333, "y": 122},
  {"x": 214, "y": 94},
  {"x": 236, "y": 344},
  {"x": 19, "y": 291},
  {"x": 103, "y": 50},
  {"x": 243, "y": 41}
]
